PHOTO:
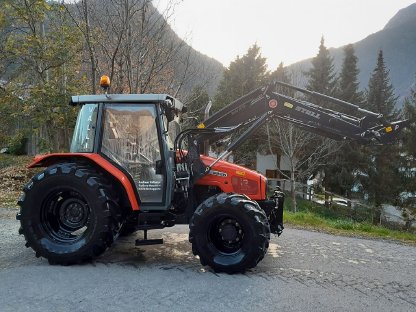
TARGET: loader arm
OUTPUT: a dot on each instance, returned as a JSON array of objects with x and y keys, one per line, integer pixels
[
  {"x": 254, "y": 109},
  {"x": 365, "y": 128}
]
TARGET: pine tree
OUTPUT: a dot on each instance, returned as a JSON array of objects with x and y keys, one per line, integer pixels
[
  {"x": 322, "y": 77},
  {"x": 242, "y": 76},
  {"x": 407, "y": 199},
  {"x": 381, "y": 180},
  {"x": 340, "y": 174},
  {"x": 409, "y": 112},
  {"x": 380, "y": 95},
  {"x": 280, "y": 74},
  {"x": 348, "y": 86}
]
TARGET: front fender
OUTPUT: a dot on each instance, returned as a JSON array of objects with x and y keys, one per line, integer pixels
[{"x": 50, "y": 159}]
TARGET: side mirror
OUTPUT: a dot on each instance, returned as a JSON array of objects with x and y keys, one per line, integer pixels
[
  {"x": 159, "y": 166},
  {"x": 170, "y": 114}
]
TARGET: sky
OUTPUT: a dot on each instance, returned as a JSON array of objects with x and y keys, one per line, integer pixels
[{"x": 286, "y": 30}]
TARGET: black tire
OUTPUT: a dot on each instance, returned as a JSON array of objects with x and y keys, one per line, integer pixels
[
  {"x": 229, "y": 232},
  {"x": 68, "y": 214}
]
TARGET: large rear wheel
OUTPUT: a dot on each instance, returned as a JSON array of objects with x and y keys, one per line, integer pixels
[
  {"x": 68, "y": 215},
  {"x": 229, "y": 232}
]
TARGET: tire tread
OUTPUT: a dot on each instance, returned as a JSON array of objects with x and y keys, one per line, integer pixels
[
  {"x": 104, "y": 202},
  {"x": 235, "y": 202}
]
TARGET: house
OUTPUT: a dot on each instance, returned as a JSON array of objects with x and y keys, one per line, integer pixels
[{"x": 276, "y": 169}]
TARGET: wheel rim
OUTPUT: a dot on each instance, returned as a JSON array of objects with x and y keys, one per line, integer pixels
[
  {"x": 226, "y": 234},
  {"x": 65, "y": 216}
]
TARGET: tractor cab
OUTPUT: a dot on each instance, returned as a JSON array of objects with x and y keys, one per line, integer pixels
[{"x": 135, "y": 133}]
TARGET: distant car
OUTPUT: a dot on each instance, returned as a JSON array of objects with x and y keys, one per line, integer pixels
[{"x": 340, "y": 201}]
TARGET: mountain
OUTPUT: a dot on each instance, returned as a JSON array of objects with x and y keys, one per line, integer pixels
[
  {"x": 398, "y": 42},
  {"x": 131, "y": 41},
  {"x": 205, "y": 71}
]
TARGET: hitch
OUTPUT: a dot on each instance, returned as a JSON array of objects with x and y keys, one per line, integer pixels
[
  {"x": 279, "y": 199},
  {"x": 273, "y": 207}
]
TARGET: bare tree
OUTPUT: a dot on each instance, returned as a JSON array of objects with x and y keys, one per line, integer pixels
[
  {"x": 81, "y": 14},
  {"x": 305, "y": 151},
  {"x": 132, "y": 42}
]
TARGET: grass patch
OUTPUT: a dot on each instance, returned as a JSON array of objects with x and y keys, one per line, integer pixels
[
  {"x": 310, "y": 220},
  {"x": 342, "y": 224}
]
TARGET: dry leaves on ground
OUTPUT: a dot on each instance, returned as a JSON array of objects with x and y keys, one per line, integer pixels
[{"x": 12, "y": 181}]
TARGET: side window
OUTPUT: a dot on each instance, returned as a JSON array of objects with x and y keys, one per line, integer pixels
[
  {"x": 84, "y": 132},
  {"x": 130, "y": 138},
  {"x": 165, "y": 127}
]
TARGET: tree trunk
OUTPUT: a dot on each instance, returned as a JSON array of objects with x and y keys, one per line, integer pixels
[
  {"x": 90, "y": 47},
  {"x": 293, "y": 190}
]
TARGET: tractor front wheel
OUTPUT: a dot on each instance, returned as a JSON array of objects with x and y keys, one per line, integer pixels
[
  {"x": 68, "y": 215},
  {"x": 229, "y": 232}
]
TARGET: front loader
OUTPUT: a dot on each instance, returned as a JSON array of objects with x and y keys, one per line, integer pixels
[{"x": 131, "y": 168}]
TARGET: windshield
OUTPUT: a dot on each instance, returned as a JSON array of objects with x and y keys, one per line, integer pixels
[{"x": 84, "y": 133}]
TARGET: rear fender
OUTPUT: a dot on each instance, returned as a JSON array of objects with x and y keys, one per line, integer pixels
[{"x": 51, "y": 159}]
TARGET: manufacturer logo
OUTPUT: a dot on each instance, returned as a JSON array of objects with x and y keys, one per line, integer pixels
[
  {"x": 308, "y": 112},
  {"x": 218, "y": 173},
  {"x": 272, "y": 103}
]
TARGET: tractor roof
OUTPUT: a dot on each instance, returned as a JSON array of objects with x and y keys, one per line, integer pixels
[{"x": 126, "y": 98}]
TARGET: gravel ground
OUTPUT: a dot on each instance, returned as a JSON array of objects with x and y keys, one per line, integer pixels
[{"x": 302, "y": 271}]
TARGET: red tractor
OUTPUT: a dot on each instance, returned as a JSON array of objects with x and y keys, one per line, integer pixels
[{"x": 131, "y": 168}]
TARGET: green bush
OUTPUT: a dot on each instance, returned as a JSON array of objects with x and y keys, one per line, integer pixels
[
  {"x": 17, "y": 144},
  {"x": 4, "y": 139}
]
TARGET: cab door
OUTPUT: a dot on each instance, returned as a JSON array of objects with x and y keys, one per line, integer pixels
[{"x": 131, "y": 138}]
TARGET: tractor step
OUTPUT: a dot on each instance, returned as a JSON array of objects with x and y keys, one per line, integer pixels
[
  {"x": 142, "y": 242},
  {"x": 145, "y": 241}
]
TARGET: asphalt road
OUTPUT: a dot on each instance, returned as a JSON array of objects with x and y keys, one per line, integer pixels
[{"x": 302, "y": 271}]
